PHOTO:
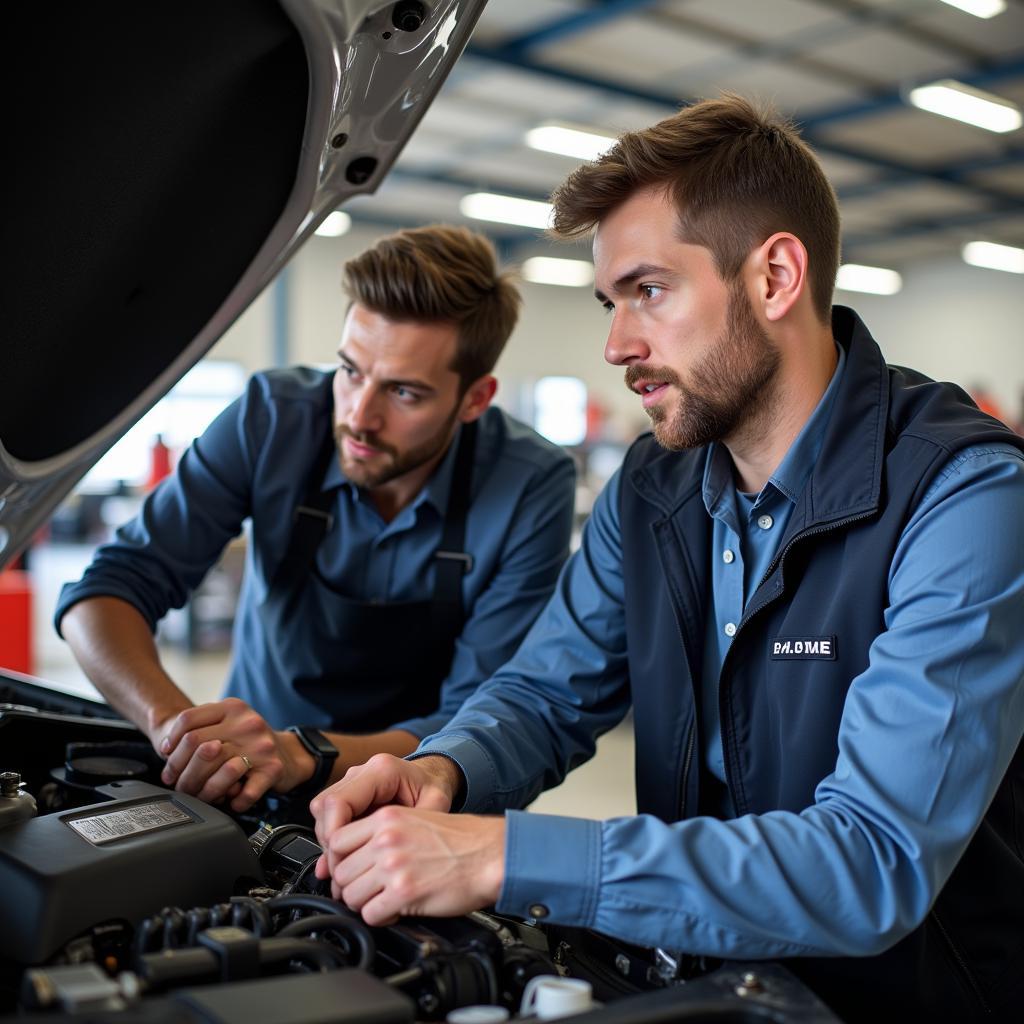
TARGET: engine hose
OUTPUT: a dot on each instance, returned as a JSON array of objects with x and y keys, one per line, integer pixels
[
  {"x": 308, "y": 901},
  {"x": 356, "y": 933}
]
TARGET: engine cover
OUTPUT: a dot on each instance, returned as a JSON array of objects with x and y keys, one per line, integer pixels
[{"x": 144, "y": 849}]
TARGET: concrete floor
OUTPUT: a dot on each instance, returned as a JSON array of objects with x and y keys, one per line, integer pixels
[{"x": 602, "y": 788}]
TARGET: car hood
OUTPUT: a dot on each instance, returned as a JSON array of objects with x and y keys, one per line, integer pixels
[{"x": 164, "y": 163}]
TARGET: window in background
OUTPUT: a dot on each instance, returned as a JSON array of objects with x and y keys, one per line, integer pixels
[
  {"x": 560, "y": 409},
  {"x": 179, "y": 417}
]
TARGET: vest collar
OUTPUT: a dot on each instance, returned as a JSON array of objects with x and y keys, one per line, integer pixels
[{"x": 846, "y": 479}]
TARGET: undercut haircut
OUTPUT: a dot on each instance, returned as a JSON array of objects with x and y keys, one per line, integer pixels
[
  {"x": 737, "y": 175},
  {"x": 441, "y": 274}
]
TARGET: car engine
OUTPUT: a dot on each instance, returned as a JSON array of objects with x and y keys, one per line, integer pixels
[{"x": 121, "y": 900}]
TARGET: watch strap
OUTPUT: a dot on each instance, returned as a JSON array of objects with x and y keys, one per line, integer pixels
[{"x": 324, "y": 754}]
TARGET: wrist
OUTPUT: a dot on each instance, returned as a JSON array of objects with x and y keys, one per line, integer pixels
[
  {"x": 445, "y": 774},
  {"x": 301, "y": 763},
  {"x": 323, "y": 753},
  {"x": 158, "y": 720}
]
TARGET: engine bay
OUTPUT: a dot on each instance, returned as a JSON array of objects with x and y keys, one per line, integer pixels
[{"x": 121, "y": 900}]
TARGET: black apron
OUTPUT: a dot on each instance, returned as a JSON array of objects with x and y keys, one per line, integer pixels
[{"x": 367, "y": 665}]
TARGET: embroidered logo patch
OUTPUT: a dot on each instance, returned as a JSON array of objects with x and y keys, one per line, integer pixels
[{"x": 790, "y": 648}]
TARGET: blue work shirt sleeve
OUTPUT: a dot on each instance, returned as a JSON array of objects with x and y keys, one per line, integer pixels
[{"x": 927, "y": 734}]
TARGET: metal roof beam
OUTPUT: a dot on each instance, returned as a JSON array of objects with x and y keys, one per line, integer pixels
[{"x": 900, "y": 173}]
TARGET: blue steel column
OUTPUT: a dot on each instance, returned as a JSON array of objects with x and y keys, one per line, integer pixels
[{"x": 280, "y": 302}]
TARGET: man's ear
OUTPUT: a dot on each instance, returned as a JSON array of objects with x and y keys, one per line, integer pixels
[
  {"x": 780, "y": 265},
  {"x": 477, "y": 398}
]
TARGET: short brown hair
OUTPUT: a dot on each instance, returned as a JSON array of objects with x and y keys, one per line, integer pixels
[
  {"x": 737, "y": 174},
  {"x": 441, "y": 274}
]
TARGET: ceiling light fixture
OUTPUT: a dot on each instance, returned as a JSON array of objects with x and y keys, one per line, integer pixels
[
  {"x": 555, "y": 138},
  {"x": 979, "y": 8},
  {"x": 528, "y": 213},
  {"x": 334, "y": 225},
  {"x": 965, "y": 103},
  {"x": 994, "y": 257},
  {"x": 549, "y": 270},
  {"x": 853, "y": 277}
]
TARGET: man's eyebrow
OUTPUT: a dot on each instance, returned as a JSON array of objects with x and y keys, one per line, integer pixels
[
  {"x": 412, "y": 382},
  {"x": 625, "y": 280}
]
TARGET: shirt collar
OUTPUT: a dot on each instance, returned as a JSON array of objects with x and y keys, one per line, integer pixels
[{"x": 791, "y": 475}]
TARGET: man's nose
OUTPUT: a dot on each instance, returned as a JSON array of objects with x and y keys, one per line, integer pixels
[
  {"x": 365, "y": 415},
  {"x": 625, "y": 344}
]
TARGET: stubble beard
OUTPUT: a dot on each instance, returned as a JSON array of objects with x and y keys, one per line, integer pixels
[
  {"x": 727, "y": 392},
  {"x": 397, "y": 462}
]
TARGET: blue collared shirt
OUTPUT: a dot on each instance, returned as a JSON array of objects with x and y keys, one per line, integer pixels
[
  {"x": 251, "y": 464},
  {"x": 949, "y": 666},
  {"x": 745, "y": 534}
]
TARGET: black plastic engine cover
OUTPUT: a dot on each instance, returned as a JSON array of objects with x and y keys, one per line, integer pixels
[{"x": 124, "y": 859}]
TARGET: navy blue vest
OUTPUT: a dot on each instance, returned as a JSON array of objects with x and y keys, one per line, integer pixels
[{"x": 890, "y": 431}]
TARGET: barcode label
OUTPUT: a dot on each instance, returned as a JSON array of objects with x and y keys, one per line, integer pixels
[{"x": 129, "y": 821}]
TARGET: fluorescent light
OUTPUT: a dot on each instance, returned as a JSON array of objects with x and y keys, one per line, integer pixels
[
  {"x": 506, "y": 209},
  {"x": 853, "y": 277},
  {"x": 994, "y": 257},
  {"x": 965, "y": 103},
  {"x": 548, "y": 270},
  {"x": 554, "y": 138},
  {"x": 979, "y": 8},
  {"x": 334, "y": 225}
]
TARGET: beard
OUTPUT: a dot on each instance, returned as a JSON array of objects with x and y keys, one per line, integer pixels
[
  {"x": 391, "y": 462},
  {"x": 727, "y": 389}
]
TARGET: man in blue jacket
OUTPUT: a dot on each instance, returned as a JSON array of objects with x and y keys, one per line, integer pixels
[
  {"x": 402, "y": 536},
  {"x": 808, "y": 584}
]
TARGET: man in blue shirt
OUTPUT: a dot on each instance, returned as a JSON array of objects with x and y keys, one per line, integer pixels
[
  {"x": 402, "y": 536},
  {"x": 809, "y": 587}
]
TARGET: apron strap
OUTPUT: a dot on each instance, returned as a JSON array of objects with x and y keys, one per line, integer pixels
[
  {"x": 311, "y": 521},
  {"x": 453, "y": 562}
]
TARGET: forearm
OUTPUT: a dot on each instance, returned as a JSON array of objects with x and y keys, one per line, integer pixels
[
  {"x": 356, "y": 749},
  {"x": 112, "y": 642}
]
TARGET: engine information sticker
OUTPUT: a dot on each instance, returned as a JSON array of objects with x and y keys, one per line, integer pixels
[{"x": 129, "y": 821}]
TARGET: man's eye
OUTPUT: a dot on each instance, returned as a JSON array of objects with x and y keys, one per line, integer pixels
[
  {"x": 349, "y": 371},
  {"x": 406, "y": 395},
  {"x": 650, "y": 291},
  {"x": 608, "y": 307}
]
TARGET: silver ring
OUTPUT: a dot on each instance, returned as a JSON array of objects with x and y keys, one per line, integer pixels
[{"x": 246, "y": 762}]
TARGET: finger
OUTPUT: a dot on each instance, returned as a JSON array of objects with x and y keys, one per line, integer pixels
[
  {"x": 353, "y": 865},
  {"x": 255, "y": 785},
  {"x": 219, "y": 784},
  {"x": 355, "y": 894},
  {"x": 191, "y": 718},
  {"x": 186, "y": 750},
  {"x": 321, "y": 869},
  {"x": 345, "y": 841},
  {"x": 382, "y": 909},
  {"x": 209, "y": 756}
]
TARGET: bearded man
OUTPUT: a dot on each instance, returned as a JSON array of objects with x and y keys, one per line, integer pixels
[
  {"x": 808, "y": 585},
  {"x": 403, "y": 534}
]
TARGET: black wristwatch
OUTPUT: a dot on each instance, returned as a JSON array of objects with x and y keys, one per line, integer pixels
[{"x": 324, "y": 752}]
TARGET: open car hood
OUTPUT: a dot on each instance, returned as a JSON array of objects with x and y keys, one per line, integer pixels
[{"x": 164, "y": 162}]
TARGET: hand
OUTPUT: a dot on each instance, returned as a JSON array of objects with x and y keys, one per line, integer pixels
[
  {"x": 429, "y": 783},
  {"x": 404, "y": 861},
  {"x": 204, "y": 744}
]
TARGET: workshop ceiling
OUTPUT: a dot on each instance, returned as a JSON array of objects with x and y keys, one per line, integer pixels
[{"x": 913, "y": 185}]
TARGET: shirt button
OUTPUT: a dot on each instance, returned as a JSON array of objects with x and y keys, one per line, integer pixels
[
  {"x": 538, "y": 910},
  {"x": 730, "y": 629},
  {"x": 765, "y": 522},
  {"x": 728, "y": 557}
]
